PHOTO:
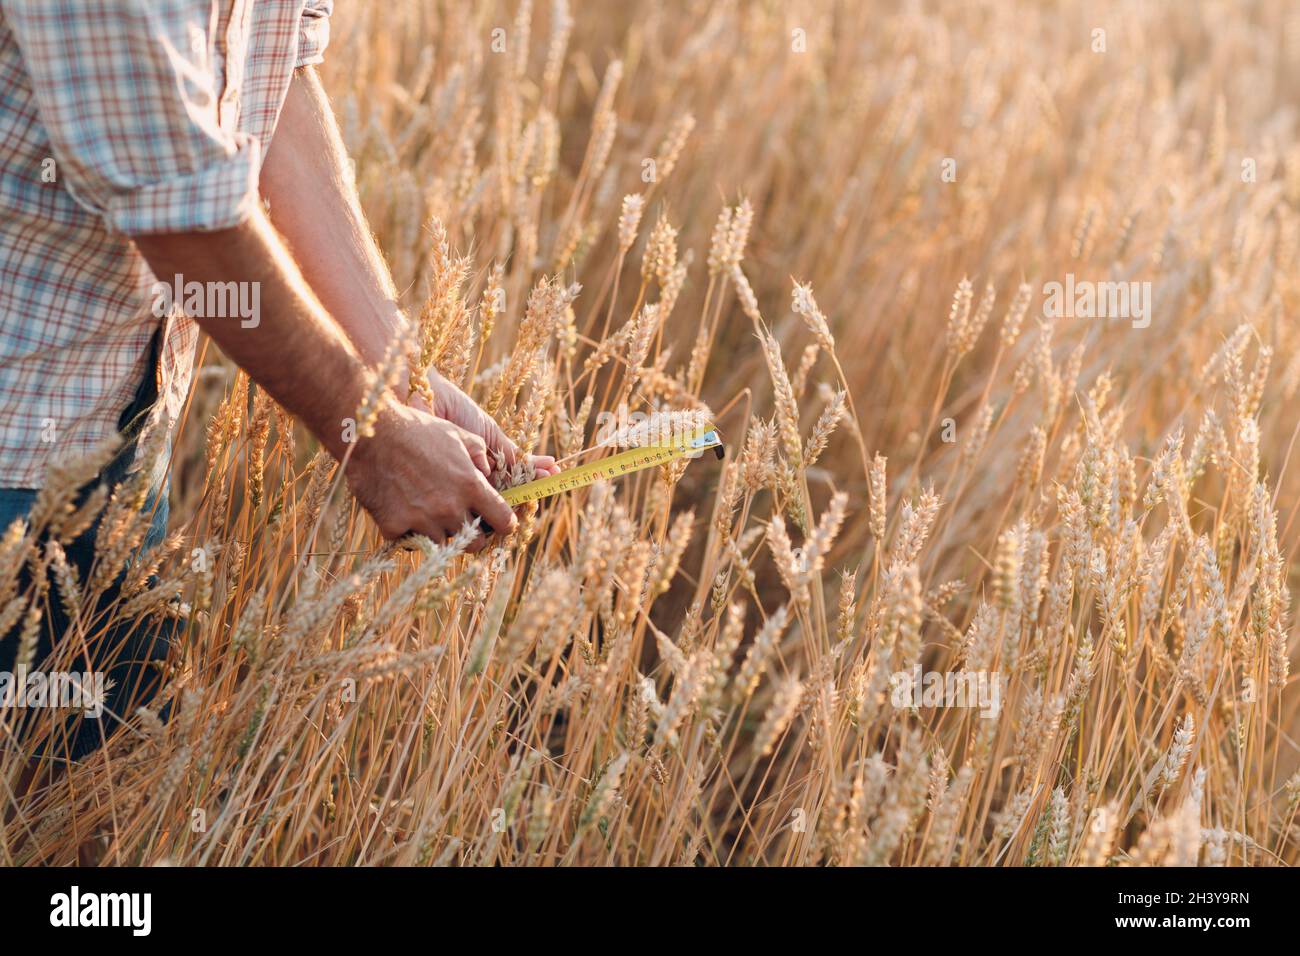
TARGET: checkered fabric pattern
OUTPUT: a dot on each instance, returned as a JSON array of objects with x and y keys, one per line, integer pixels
[{"x": 118, "y": 119}]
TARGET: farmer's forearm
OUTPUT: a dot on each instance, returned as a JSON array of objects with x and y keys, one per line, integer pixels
[
  {"x": 295, "y": 350},
  {"x": 314, "y": 206},
  {"x": 307, "y": 181}
]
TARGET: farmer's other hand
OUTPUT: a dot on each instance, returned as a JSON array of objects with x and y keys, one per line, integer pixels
[{"x": 452, "y": 404}]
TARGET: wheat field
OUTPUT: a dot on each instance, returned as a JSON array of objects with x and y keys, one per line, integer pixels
[{"x": 829, "y": 229}]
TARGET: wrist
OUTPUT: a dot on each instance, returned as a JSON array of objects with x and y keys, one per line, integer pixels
[{"x": 426, "y": 399}]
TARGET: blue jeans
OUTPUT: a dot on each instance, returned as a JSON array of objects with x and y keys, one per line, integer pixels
[
  {"x": 127, "y": 652},
  {"x": 16, "y": 503}
]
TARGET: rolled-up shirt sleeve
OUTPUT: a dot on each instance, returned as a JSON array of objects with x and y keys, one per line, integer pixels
[
  {"x": 125, "y": 90},
  {"x": 314, "y": 32}
]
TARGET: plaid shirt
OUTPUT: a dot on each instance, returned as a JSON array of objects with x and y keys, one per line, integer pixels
[{"x": 118, "y": 119}]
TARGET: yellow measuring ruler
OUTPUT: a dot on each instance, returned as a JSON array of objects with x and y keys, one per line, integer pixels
[{"x": 615, "y": 466}]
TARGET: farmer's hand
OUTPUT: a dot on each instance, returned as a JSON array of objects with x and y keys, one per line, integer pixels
[
  {"x": 418, "y": 473},
  {"x": 455, "y": 406}
]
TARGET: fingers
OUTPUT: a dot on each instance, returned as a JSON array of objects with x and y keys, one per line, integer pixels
[
  {"x": 440, "y": 529},
  {"x": 457, "y": 407},
  {"x": 497, "y": 440},
  {"x": 478, "y": 544},
  {"x": 431, "y": 529},
  {"x": 399, "y": 529},
  {"x": 469, "y": 496},
  {"x": 544, "y": 465},
  {"x": 477, "y": 450},
  {"x": 431, "y": 478},
  {"x": 492, "y": 508},
  {"x": 427, "y": 476}
]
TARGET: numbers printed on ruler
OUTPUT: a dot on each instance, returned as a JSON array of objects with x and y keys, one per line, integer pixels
[{"x": 634, "y": 459}]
